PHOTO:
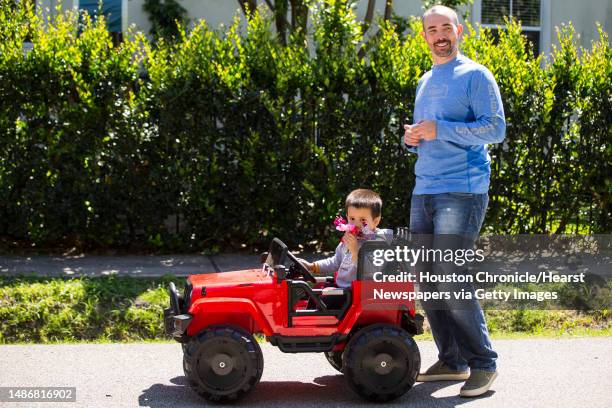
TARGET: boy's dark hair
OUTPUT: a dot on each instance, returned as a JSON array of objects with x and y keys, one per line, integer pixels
[{"x": 364, "y": 198}]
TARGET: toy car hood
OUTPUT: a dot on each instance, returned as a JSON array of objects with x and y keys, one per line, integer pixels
[{"x": 229, "y": 278}]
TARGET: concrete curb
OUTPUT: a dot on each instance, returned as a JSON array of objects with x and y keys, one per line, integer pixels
[{"x": 129, "y": 265}]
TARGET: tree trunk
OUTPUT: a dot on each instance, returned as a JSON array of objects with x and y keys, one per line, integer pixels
[
  {"x": 367, "y": 20},
  {"x": 388, "y": 9},
  {"x": 280, "y": 15},
  {"x": 251, "y": 5},
  {"x": 299, "y": 16}
]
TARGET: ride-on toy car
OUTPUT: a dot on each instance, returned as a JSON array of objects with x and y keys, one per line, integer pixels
[{"x": 219, "y": 313}]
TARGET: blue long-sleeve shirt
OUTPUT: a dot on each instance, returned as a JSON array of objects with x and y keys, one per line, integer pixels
[
  {"x": 464, "y": 100},
  {"x": 342, "y": 261}
]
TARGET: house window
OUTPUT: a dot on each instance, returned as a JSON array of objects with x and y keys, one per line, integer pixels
[
  {"x": 112, "y": 10},
  {"x": 528, "y": 12}
]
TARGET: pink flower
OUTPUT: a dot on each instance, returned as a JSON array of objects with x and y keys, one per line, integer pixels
[
  {"x": 339, "y": 220},
  {"x": 343, "y": 226},
  {"x": 362, "y": 233}
]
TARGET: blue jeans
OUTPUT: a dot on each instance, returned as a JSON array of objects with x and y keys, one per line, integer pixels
[{"x": 460, "y": 333}]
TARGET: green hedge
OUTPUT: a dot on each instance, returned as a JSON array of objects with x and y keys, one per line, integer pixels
[{"x": 234, "y": 137}]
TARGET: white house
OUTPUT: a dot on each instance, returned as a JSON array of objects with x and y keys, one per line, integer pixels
[{"x": 539, "y": 17}]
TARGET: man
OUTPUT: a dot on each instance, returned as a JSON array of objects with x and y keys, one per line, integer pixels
[{"x": 458, "y": 111}]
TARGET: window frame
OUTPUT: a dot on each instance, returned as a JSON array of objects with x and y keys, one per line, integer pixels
[{"x": 544, "y": 28}]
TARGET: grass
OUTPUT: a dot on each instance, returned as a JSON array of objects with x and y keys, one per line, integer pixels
[
  {"x": 106, "y": 309},
  {"x": 126, "y": 309}
]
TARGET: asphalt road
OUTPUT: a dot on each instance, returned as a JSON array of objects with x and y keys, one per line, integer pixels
[{"x": 533, "y": 373}]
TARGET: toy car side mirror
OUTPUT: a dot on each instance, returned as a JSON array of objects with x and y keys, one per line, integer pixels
[{"x": 262, "y": 257}]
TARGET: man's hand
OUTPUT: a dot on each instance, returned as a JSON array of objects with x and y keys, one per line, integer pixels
[
  {"x": 410, "y": 138},
  {"x": 351, "y": 243},
  {"x": 425, "y": 130}
]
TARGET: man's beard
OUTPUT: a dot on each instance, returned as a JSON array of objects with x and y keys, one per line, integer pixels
[{"x": 444, "y": 52}]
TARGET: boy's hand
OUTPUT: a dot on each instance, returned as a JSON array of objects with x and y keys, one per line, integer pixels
[
  {"x": 351, "y": 243},
  {"x": 307, "y": 265}
]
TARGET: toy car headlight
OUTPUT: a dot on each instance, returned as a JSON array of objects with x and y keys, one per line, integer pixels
[{"x": 181, "y": 322}]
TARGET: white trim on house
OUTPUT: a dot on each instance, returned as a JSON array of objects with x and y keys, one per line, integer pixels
[
  {"x": 124, "y": 16},
  {"x": 476, "y": 12},
  {"x": 523, "y": 27},
  {"x": 544, "y": 28}
]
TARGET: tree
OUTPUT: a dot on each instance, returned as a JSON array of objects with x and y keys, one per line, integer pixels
[
  {"x": 280, "y": 8},
  {"x": 298, "y": 10},
  {"x": 247, "y": 5},
  {"x": 164, "y": 16}
]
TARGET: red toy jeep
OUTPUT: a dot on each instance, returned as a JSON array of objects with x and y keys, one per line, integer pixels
[{"x": 218, "y": 314}]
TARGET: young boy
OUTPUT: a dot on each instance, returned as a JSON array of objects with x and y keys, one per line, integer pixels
[{"x": 363, "y": 209}]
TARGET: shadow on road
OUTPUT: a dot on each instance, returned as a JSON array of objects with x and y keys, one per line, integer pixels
[
  {"x": 327, "y": 390},
  {"x": 330, "y": 390},
  {"x": 421, "y": 395},
  {"x": 178, "y": 395}
]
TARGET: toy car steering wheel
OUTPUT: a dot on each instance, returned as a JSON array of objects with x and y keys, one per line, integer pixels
[{"x": 306, "y": 274}]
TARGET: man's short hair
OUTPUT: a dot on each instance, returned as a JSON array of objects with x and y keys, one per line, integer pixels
[
  {"x": 364, "y": 198},
  {"x": 443, "y": 10}
]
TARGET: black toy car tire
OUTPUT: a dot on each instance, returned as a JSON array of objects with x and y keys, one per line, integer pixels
[
  {"x": 223, "y": 363},
  {"x": 381, "y": 362},
  {"x": 335, "y": 359}
]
